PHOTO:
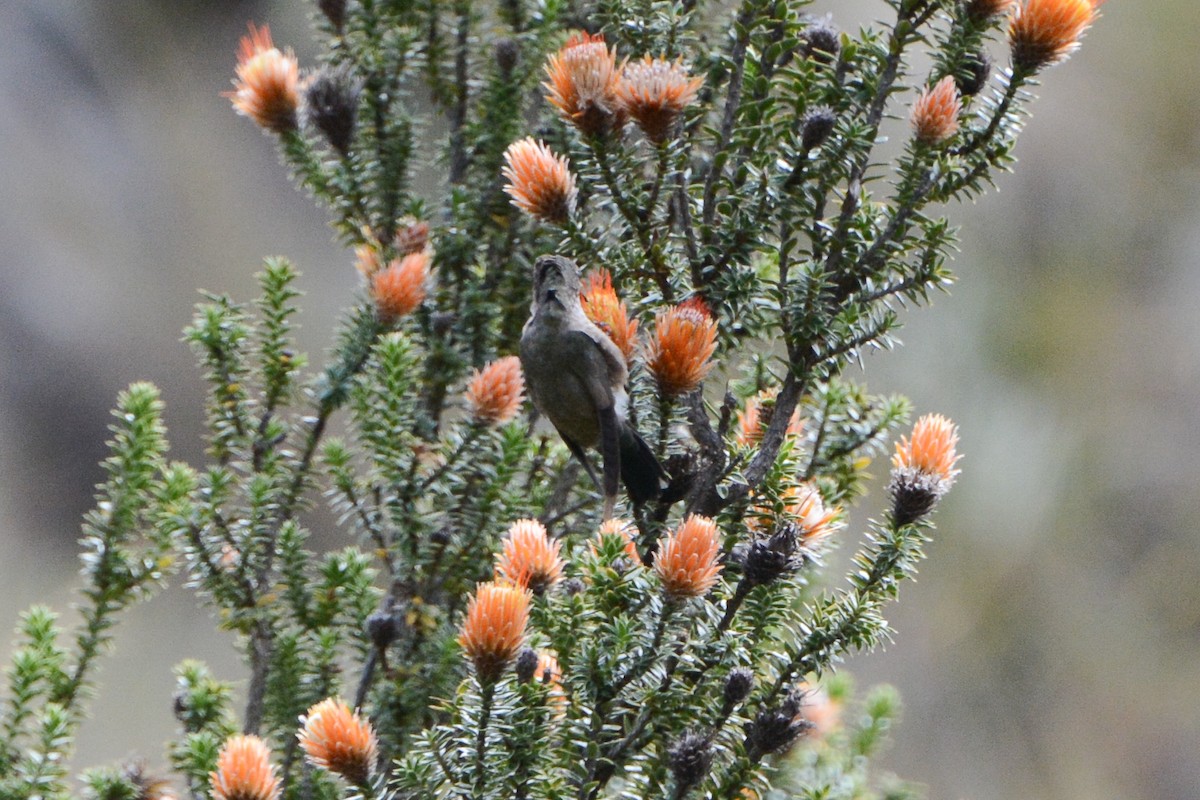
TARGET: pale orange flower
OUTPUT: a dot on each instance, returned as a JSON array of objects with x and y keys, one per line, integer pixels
[
  {"x": 931, "y": 449},
  {"x": 496, "y": 391},
  {"x": 339, "y": 740},
  {"x": 530, "y": 558},
  {"x": 603, "y": 307},
  {"x": 267, "y": 85},
  {"x": 494, "y": 629},
  {"x": 583, "y": 85},
  {"x": 935, "y": 113},
  {"x": 680, "y": 355},
  {"x": 540, "y": 183},
  {"x": 244, "y": 771},
  {"x": 819, "y": 710},
  {"x": 687, "y": 561},
  {"x": 803, "y": 506},
  {"x": 756, "y": 416},
  {"x": 1044, "y": 32},
  {"x": 400, "y": 287},
  {"x": 548, "y": 673},
  {"x": 655, "y": 91},
  {"x": 623, "y": 529}
]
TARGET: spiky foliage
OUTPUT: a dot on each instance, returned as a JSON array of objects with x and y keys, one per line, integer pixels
[{"x": 745, "y": 219}]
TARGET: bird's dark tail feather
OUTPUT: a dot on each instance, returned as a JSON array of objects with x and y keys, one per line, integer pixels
[{"x": 641, "y": 473}]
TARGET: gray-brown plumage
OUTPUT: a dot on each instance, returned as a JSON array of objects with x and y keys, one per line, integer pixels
[{"x": 576, "y": 377}]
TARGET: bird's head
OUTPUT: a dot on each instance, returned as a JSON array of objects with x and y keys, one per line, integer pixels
[{"x": 555, "y": 281}]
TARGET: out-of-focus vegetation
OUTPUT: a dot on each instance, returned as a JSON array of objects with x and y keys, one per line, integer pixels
[{"x": 1051, "y": 648}]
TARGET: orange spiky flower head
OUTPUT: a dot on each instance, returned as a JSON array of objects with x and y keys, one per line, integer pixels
[
  {"x": 495, "y": 392},
  {"x": 494, "y": 628},
  {"x": 687, "y": 561},
  {"x": 540, "y": 183},
  {"x": 923, "y": 468},
  {"x": 603, "y": 307},
  {"x": 583, "y": 84},
  {"x": 399, "y": 287},
  {"x": 680, "y": 355},
  {"x": 244, "y": 771},
  {"x": 756, "y": 416},
  {"x": 339, "y": 740},
  {"x": 267, "y": 85},
  {"x": 935, "y": 113},
  {"x": 624, "y": 530},
  {"x": 530, "y": 558},
  {"x": 655, "y": 91},
  {"x": 1044, "y": 32}
]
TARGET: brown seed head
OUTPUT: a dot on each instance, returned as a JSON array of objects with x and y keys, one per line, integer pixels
[
  {"x": 655, "y": 92},
  {"x": 935, "y": 113},
  {"x": 583, "y": 84},
  {"x": 687, "y": 561},
  {"x": 412, "y": 236},
  {"x": 931, "y": 449},
  {"x": 1044, "y": 32},
  {"x": 540, "y": 183},
  {"x": 986, "y": 9},
  {"x": 339, "y": 740},
  {"x": 494, "y": 629},
  {"x": 530, "y": 558},
  {"x": 496, "y": 391},
  {"x": 680, "y": 355},
  {"x": 267, "y": 85},
  {"x": 400, "y": 287},
  {"x": 244, "y": 771},
  {"x": 603, "y": 307}
]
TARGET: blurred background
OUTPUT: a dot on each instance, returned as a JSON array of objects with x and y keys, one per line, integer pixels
[{"x": 1051, "y": 647}]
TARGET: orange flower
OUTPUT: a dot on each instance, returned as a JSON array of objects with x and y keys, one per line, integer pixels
[
  {"x": 986, "y": 9},
  {"x": 756, "y": 416},
  {"x": 494, "y": 629},
  {"x": 496, "y": 391},
  {"x": 244, "y": 771},
  {"x": 266, "y": 88},
  {"x": 623, "y": 529},
  {"x": 819, "y": 710},
  {"x": 685, "y": 338},
  {"x": 687, "y": 562},
  {"x": 584, "y": 82},
  {"x": 400, "y": 287},
  {"x": 548, "y": 672},
  {"x": 935, "y": 114},
  {"x": 603, "y": 307},
  {"x": 655, "y": 92},
  {"x": 803, "y": 506},
  {"x": 530, "y": 559},
  {"x": 539, "y": 182},
  {"x": 339, "y": 740},
  {"x": 931, "y": 449},
  {"x": 1044, "y": 32}
]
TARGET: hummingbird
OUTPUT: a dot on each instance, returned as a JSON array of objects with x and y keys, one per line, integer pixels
[{"x": 576, "y": 376}]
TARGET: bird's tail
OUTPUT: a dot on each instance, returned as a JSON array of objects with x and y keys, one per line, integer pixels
[{"x": 641, "y": 473}]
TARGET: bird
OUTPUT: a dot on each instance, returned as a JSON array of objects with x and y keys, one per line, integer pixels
[{"x": 576, "y": 376}]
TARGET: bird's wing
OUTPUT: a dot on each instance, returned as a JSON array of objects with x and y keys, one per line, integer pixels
[
  {"x": 614, "y": 360},
  {"x": 601, "y": 369}
]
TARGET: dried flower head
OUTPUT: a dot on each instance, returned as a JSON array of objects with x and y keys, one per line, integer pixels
[
  {"x": 655, "y": 91},
  {"x": 244, "y": 771},
  {"x": 412, "y": 236},
  {"x": 756, "y": 416},
  {"x": 331, "y": 105},
  {"x": 680, "y": 355},
  {"x": 687, "y": 561},
  {"x": 1044, "y": 32},
  {"x": 530, "y": 558},
  {"x": 978, "y": 70},
  {"x": 400, "y": 287},
  {"x": 987, "y": 9},
  {"x": 540, "y": 183},
  {"x": 495, "y": 392},
  {"x": 815, "y": 127},
  {"x": 603, "y": 307},
  {"x": 820, "y": 41},
  {"x": 494, "y": 629},
  {"x": 935, "y": 113},
  {"x": 624, "y": 530},
  {"x": 584, "y": 83},
  {"x": 339, "y": 740},
  {"x": 690, "y": 758},
  {"x": 267, "y": 85},
  {"x": 923, "y": 468}
]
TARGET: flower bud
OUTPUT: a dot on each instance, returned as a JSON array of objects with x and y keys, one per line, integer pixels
[
  {"x": 774, "y": 729},
  {"x": 383, "y": 628},
  {"x": 244, "y": 771},
  {"x": 923, "y": 468},
  {"x": 738, "y": 684},
  {"x": 339, "y": 740},
  {"x": 495, "y": 393},
  {"x": 508, "y": 53},
  {"x": 690, "y": 759},
  {"x": 687, "y": 563},
  {"x": 768, "y": 559},
  {"x": 527, "y": 664},
  {"x": 979, "y": 69},
  {"x": 815, "y": 127},
  {"x": 400, "y": 287},
  {"x": 267, "y": 85},
  {"x": 935, "y": 113},
  {"x": 820, "y": 42},
  {"x": 331, "y": 106}
]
